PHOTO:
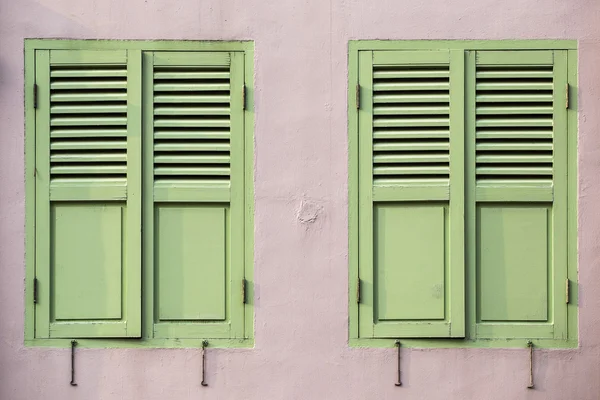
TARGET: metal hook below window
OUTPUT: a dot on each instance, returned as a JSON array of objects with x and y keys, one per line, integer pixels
[
  {"x": 399, "y": 382},
  {"x": 530, "y": 345},
  {"x": 204, "y": 346},
  {"x": 73, "y": 344}
]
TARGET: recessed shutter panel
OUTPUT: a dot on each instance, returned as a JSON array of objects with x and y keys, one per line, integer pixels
[
  {"x": 411, "y": 194},
  {"x": 88, "y": 193},
  {"x": 520, "y": 173},
  {"x": 196, "y": 178}
]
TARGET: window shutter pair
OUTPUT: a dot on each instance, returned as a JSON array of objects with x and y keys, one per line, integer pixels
[
  {"x": 462, "y": 193},
  {"x": 139, "y": 175}
]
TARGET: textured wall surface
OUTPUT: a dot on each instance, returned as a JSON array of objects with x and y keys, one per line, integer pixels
[{"x": 301, "y": 237}]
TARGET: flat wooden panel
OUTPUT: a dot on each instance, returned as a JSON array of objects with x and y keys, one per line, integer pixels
[
  {"x": 513, "y": 263},
  {"x": 409, "y": 262},
  {"x": 519, "y": 57},
  {"x": 191, "y": 262},
  {"x": 88, "y": 57},
  {"x": 87, "y": 261}
]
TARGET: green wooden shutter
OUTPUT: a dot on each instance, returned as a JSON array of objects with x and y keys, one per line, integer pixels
[
  {"x": 88, "y": 184},
  {"x": 194, "y": 214},
  {"x": 519, "y": 142},
  {"x": 411, "y": 194}
]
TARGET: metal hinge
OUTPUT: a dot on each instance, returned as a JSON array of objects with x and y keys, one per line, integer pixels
[
  {"x": 567, "y": 96},
  {"x": 35, "y": 96},
  {"x": 567, "y": 289},
  {"x": 243, "y": 97},
  {"x": 358, "y": 291},
  {"x": 244, "y": 291},
  {"x": 35, "y": 290},
  {"x": 357, "y": 96}
]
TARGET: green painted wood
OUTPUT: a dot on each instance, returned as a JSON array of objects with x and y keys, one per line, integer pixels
[
  {"x": 521, "y": 57},
  {"x": 520, "y": 170},
  {"x": 411, "y": 57},
  {"x": 182, "y": 59},
  {"x": 191, "y": 261},
  {"x": 409, "y": 262},
  {"x": 87, "y": 262},
  {"x": 85, "y": 63},
  {"x": 89, "y": 57},
  {"x": 513, "y": 266}
]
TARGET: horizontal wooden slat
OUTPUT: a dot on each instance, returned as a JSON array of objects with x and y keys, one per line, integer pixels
[
  {"x": 514, "y": 85},
  {"x": 411, "y": 158},
  {"x": 517, "y": 57},
  {"x": 88, "y": 169},
  {"x": 514, "y": 74},
  {"x": 191, "y": 159},
  {"x": 534, "y": 170},
  {"x": 191, "y": 99},
  {"x": 410, "y": 73},
  {"x": 88, "y": 73},
  {"x": 416, "y": 192},
  {"x": 409, "y": 85},
  {"x": 517, "y": 110},
  {"x": 411, "y": 98},
  {"x": 88, "y": 97},
  {"x": 192, "y": 111},
  {"x": 191, "y": 87},
  {"x": 409, "y": 122},
  {"x": 200, "y": 171},
  {"x": 412, "y": 170},
  {"x": 91, "y": 189},
  {"x": 411, "y": 134},
  {"x": 191, "y": 135},
  {"x": 516, "y": 192},
  {"x": 513, "y": 98},
  {"x": 513, "y": 134},
  {"x": 411, "y": 110},
  {"x": 201, "y": 191},
  {"x": 191, "y": 146},
  {"x": 186, "y": 74},
  {"x": 88, "y": 84},
  {"x": 513, "y": 146},
  {"x": 411, "y": 57},
  {"x": 517, "y": 159},
  {"x": 88, "y": 109},
  {"x": 192, "y": 123},
  {"x": 513, "y": 122},
  {"x": 88, "y": 133},
  {"x": 411, "y": 146},
  {"x": 183, "y": 58},
  {"x": 75, "y": 57},
  {"x": 88, "y": 145},
  {"x": 89, "y": 121},
  {"x": 88, "y": 157}
]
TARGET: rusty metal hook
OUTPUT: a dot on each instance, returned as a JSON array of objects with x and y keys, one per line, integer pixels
[
  {"x": 204, "y": 346},
  {"x": 73, "y": 344},
  {"x": 530, "y": 345},
  {"x": 399, "y": 382}
]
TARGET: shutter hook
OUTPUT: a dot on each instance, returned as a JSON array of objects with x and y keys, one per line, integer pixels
[
  {"x": 530, "y": 345},
  {"x": 399, "y": 382},
  {"x": 73, "y": 344},
  {"x": 204, "y": 346}
]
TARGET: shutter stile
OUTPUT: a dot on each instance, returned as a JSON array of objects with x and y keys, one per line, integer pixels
[
  {"x": 192, "y": 127},
  {"x": 411, "y": 125},
  {"x": 514, "y": 125},
  {"x": 88, "y": 127}
]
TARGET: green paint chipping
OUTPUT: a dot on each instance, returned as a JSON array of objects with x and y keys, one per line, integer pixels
[
  {"x": 138, "y": 134},
  {"x": 462, "y": 193}
]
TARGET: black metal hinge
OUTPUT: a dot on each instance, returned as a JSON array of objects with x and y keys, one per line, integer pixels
[
  {"x": 35, "y": 291},
  {"x": 243, "y": 97},
  {"x": 357, "y": 96},
  {"x": 358, "y": 291},
  {"x": 244, "y": 291},
  {"x": 35, "y": 96}
]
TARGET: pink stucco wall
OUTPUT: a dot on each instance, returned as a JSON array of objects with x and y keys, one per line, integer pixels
[{"x": 301, "y": 268}]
